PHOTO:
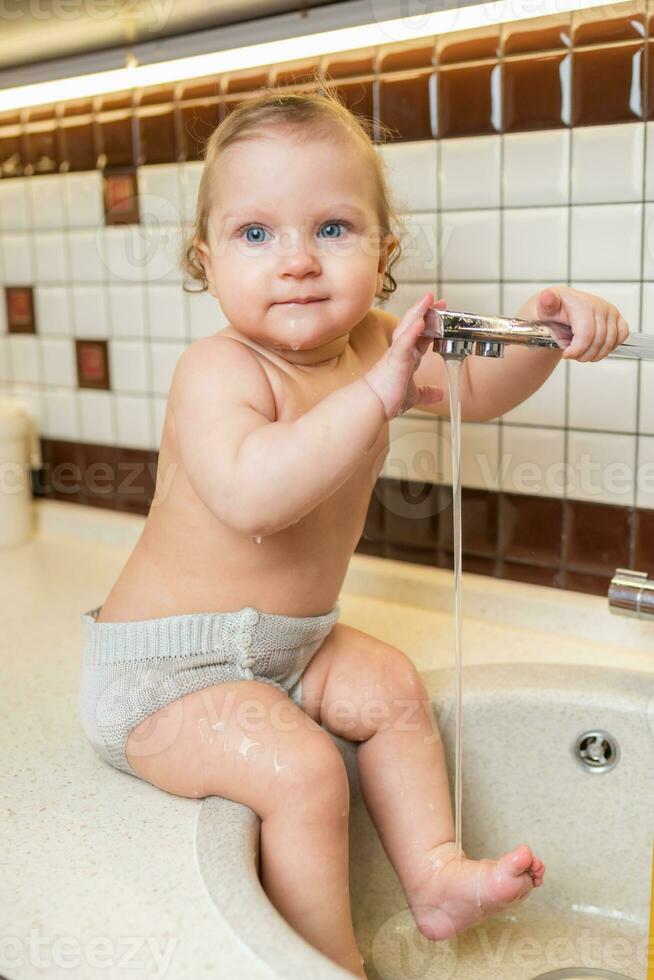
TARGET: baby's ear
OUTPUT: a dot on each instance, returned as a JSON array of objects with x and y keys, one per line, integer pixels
[{"x": 204, "y": 255}]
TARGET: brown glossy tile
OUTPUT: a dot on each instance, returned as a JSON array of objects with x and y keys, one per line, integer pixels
[
  {"x": 469, "y": 45},
  {"x": 644, "y": 542},
  {"x": 534, "y": 574},
  {"x": 10, "y": 119},
  {"x": 157, "y": 135},
  {"x": 408, "y": 512},
  {"x": 136, "y": 476},
  {"x": 407, "y": 105},
  {"x": 294, "y": 72},
  {"x": 531, "y": 528},
  {"x": 479, "y": 565},
  {"x": 198, "y": 121},
  {"x": 19, "y": 305},
  {"x": 114, "y": 100},
  {"x": 374, "y": 526},
  {"x": 416, "y": 555},
  {"x": 81, "y": 107},
  {"x": 79, "y": 147},
  {"x": 12, "y": 152},
  {"x": 536, "y": 34},
  {"x": 466, "y": 100},
  {"x": 41, "y": 144},
  {"x": 100, "y": 477},
  {"x": 584, "y": 582},
  {"x": 245, "y": 81},
  {"x": 536, "y": 92},
  {"x": 92, "y": 359},
  {"x": 63, "y": 468},
  {"x": 347, "y": 63},
  {"x": 159, "y": 95},
  {"x": 608, "y": 84},
  {"x": 117, "y": 139},
  {"x": 612, "y": 22},
  {"x": 400, "y": 57},
  {"x": 121, "y": 197},
  {"x": 365, "y": 546},
  {"x": 479, "y": 520},
  {"x": 199, "y": 88},
  {"x": 357, "y": 96},
  {"x": 597, "y": 537}
]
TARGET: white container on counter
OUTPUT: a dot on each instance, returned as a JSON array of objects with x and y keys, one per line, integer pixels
[{"x": 19, "y": 449}]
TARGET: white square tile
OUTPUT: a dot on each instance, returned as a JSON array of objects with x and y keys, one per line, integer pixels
[
  {"x": 60, "y": 414},
  {"x": 159, "y": 406},
  {"x": 133, "y": 421},
  {"x": 86, "y": 257},
  {"x": 205, "y": 315},
  {"x": 516, "y": 294},
  {"x": 546, "y": 406},
  {"x": 127, "y": 309},
  {"x": 602, "y": 395},
  {"x": 96, "y": 417},
  {"x": 51, "y": 257},
  {"x": 3, "y": 314},
  {"x": 189, "y": 180},
  {"x": 83, "y": 195},
  {"x": 470, "y": 172},
  {"x": 14, "y": 210},
  {"x": 124, "y": 254},
  {"x": 17, "y": 264},
  {"x": 469, "y": 245},
  {"x": 646, "y": 421},
  {"x": 607, "y": 163},
  {"x": 601, "y": 467},
  {"x": 418, "y": 261},
  {"x": 162, "y": 252},
  {"x": 624, "y": 295},
  {"x": 480, "y": 444},
  {"x": 5, "y": 363},
  {"x": 160, "y": 194},
  {"x": 647, "y": 315},
  {"x": 413, "y": 452},
  {"x": 412, "y": 169},
  {"x": 90, "y": 311},
  {"x": 648, "y": 243},
  {"x": 470, "y": 297},
  {"x": 53, "y": 310},
  {"x": 535, "y": 243},
  {"x": 31, "y": 400},
  {"x": 649, "y": 161},
  {"x": 605, "y": 241},
  {"x": 47, "y": 194},
  {"x": 164, "y": 356},
  {"x": 645, "y": 473},
  {"x": 533, "y": 460},
  {"x": 59, "y": 366},
  {"x": 24, "y": 358},
  {"x": 406, "y": 294},
  {"x": 128, "y": 365},
  {"x": 166, "y": 311},
  {"x": 536, "y": 167}
]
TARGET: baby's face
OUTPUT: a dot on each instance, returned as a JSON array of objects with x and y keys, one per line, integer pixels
[{"x": 292, "y": 219}]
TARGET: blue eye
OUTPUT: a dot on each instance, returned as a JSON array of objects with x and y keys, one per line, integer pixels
[
  {"x": 253, "y": 228},
  {"x": 336, "y": 224},
  {"x": 244, "y": 232}
]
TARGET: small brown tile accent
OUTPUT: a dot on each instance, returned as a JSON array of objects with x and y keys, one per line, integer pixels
[
  {"x": 348, "y": 63},
  {"x": 357, "y": 96},
  {"x": 400, "y": 57},
  {"x": 41, "y": 148},
  {"x": 407, "y": 104},
  {"x": 118, "y": 140},
  {"x": 617, "y": 22},
  {"x": 92, "y": 363},
  {"x": 644, "y": 542},
  {"x": 12, "y": 152},
  {"x": 470, "y": 45},
  {"x": 157, "y": 135},
  {"x": 596, "y": 536},
  {"x": 536, "y": 92},
  {"x": 465, "y": 100},
  {"x": 121, "y": 198},
  {"x": 531, "y": 528},
  {"x": 79, "y": 145},
  {"x": 19, "y": 304},
  {"x": 608, "y": 85},
  {"x": 536, "y": 34},
  {"x": 198, "y": 121}
]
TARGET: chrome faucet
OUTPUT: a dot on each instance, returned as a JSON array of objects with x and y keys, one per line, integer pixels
[
  {"x": 457, "y": 334},
  {"x": 631, "y": 593}
]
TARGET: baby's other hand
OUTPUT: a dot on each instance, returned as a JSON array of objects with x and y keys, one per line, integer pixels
[{"x": 597, "y": 325}]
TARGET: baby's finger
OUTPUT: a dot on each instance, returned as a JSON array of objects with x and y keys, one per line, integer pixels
[
  {"x": 581, "y": 337},
  {"x": 417, "y": 310},
  {"x": 597, "y": 342},
  {"x": 611, "y": 335}
]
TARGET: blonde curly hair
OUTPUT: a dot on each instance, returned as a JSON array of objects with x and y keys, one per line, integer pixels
[{"x": 318, "y": 112}]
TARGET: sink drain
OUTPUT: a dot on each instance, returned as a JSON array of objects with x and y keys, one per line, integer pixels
[
  {"x": 579, "y": 972},
  {"x": 595, "y": 751}
]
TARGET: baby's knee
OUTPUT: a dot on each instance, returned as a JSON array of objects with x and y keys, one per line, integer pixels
[{"x": 318, "y": 780}]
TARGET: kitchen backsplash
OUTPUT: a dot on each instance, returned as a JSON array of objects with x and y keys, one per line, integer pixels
[{"x": 522, "y": 157}]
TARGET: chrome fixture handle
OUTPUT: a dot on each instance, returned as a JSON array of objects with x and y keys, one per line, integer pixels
[
  {"x": 631, "y": 593},
  {"x": 457, "y": 334}
]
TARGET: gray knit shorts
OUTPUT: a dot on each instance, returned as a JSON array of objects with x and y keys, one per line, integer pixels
[{"x": 131, "y": 669}]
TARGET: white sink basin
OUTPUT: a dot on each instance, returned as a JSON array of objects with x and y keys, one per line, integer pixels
[{"x": 522, "y": 783}]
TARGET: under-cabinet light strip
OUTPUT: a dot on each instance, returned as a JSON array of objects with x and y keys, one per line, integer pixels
[{"x": 275, "y": 52}]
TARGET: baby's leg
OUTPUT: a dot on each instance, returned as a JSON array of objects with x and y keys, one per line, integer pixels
[
  {"x": 279, "y": 762},
  {"x": 370, "y": 692}
]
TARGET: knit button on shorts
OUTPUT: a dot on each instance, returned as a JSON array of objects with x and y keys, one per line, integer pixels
[{"x": 131, "y": 669}]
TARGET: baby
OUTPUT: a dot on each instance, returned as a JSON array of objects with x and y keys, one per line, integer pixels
[{"x": 216, "y": 665}]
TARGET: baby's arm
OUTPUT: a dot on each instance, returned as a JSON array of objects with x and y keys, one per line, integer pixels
[{"x": 255, "y": 474}]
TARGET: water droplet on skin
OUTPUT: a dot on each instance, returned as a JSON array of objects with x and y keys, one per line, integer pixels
[
  {"x": 201, "y": 729},
  {"x": 278, "y": 767},
  {"x": 256, "y": 539},
  {"x": 246, "y": 745},
  {"x": 295, "y": 346}
]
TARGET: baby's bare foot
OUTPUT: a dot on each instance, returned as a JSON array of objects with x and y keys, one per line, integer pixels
[{"x": 453, "y": 895}]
